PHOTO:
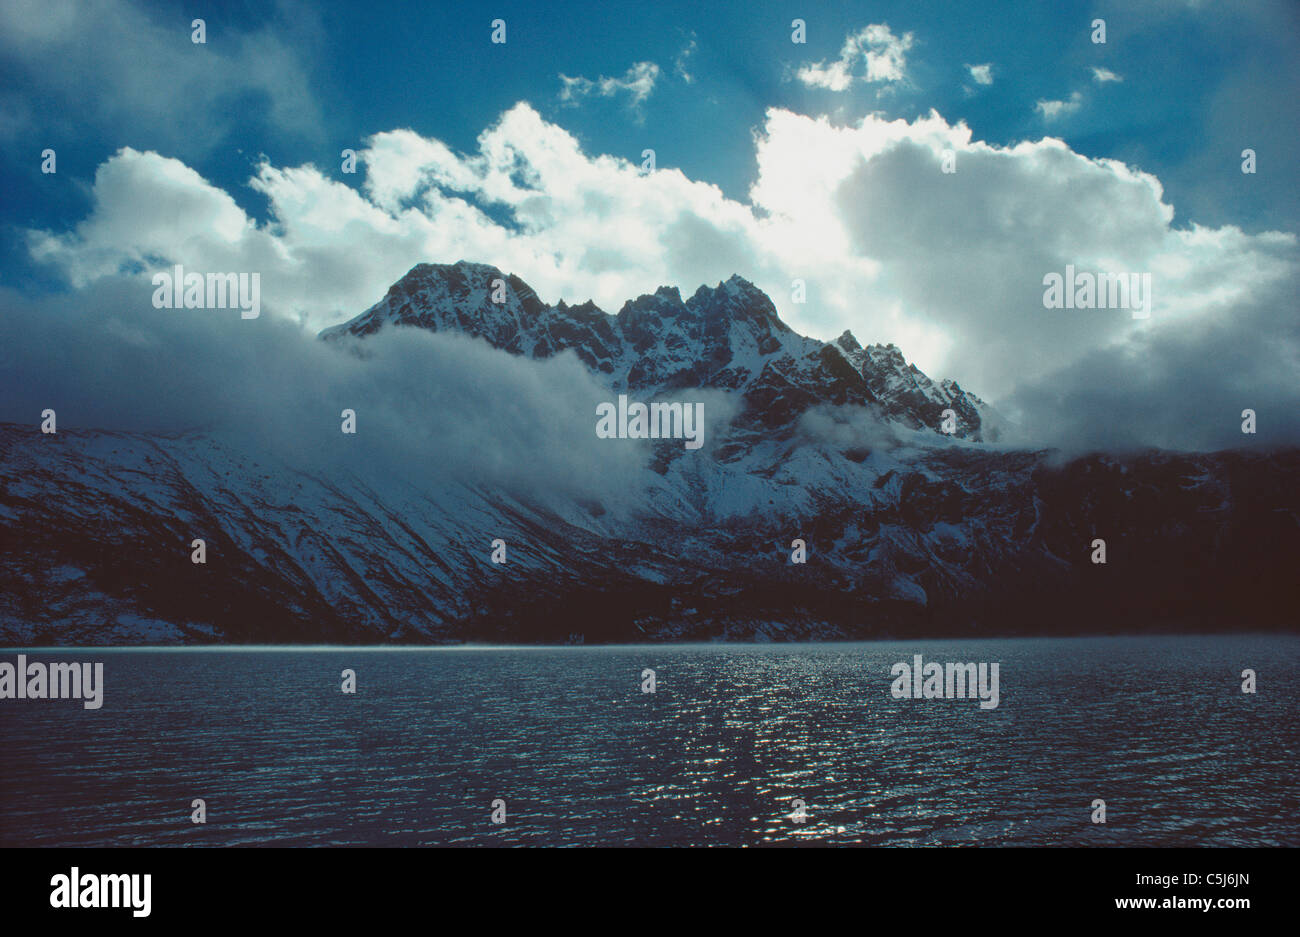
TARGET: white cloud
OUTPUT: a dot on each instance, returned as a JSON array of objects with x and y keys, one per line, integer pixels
[
  {"x": 637, "y": 84},
  {"x": 949, "y": 267},
  {"x": 1103, "y": 75},
  {"x": 110, "y": 64},
  {"x": 981, "y": 74},
  {"x": 1051, "y": 110},
  {"x": 883, "y": 54},
  {"x": 419, "y": 396},
  {"x": 679, "y": 65}
]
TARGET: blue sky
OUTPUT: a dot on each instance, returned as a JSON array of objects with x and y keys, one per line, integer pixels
[
  {"x": 785, "y": 169},
  {"x": 1200, "y": 82}
]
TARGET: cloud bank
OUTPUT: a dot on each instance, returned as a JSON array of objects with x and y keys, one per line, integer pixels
[
  {"x": 109, "y": 63},
  {"x": 949, "y": 266},
  {"x": 431, "y": 409}
]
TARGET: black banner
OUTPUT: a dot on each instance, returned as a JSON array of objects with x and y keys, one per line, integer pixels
[{"x": 152, "y": 887}]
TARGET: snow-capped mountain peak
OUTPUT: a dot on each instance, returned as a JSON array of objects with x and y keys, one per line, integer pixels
[
  {"x": 902, "y": 539},
  {"x": 728, "y": 336}
]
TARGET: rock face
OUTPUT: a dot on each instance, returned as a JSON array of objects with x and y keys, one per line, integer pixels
[
  {"x": 726, "y": 337},
  {"x": 928, "y": 536}
]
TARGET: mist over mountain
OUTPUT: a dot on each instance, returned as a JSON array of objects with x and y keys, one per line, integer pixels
[
  {"x": 476, "y": 423},
  {"x": 727, "y": 337}
]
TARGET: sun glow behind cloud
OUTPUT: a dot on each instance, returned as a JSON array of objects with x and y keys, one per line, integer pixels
[{"x": 948, "y": 266}]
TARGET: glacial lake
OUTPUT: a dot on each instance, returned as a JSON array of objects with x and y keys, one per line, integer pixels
[{"x": 719, "y": 754}]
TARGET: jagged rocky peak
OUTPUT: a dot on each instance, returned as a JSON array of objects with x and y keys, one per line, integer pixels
[
  {"x": 665, "y": 302},
  {"x": 737, "y": 299},
  {"x": 848, "y": 343},
  {"x": 463, "y": 282},
  {"x": 460, "y": 279},
  {"x": 886, "y": 354},
  {"x": 727, "y": 336},
  {"x": 430, "y": 296}
]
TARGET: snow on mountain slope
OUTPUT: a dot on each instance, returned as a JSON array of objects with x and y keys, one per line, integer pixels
[{"x": 907, "y": 531}]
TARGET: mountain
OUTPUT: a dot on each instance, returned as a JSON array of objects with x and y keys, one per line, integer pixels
[
  {"x": 726, "y": 337},
  {"x": 908, "y": 531}
]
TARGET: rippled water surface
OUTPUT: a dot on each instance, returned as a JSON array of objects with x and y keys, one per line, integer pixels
[{"x": 1157, "y": 727}]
